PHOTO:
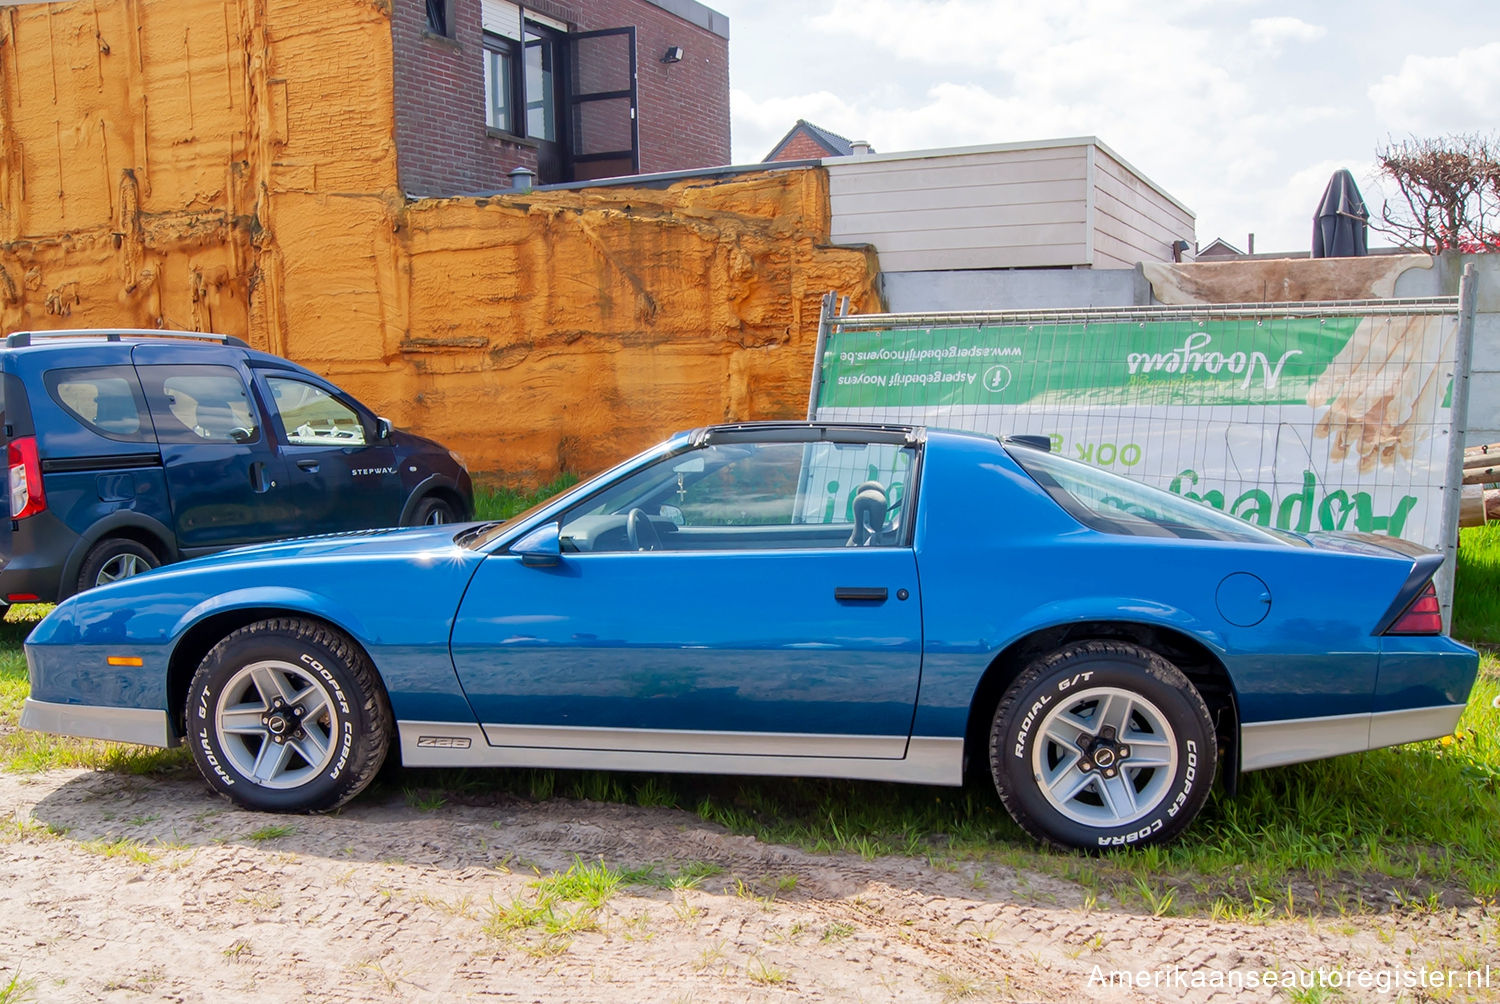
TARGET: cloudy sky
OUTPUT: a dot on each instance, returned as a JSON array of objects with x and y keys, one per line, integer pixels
[{"x": 1240, "y": 109}]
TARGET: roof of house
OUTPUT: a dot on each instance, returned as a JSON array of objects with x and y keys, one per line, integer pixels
[
  {"x": 1219, "y": 247},
  {"x": 836, "y": 145}
]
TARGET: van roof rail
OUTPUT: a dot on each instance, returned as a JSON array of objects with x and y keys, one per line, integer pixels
[{"x": 21, "y": 339}]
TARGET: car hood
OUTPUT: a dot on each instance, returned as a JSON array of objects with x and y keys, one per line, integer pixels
[
  {"x": 372, "y": 582},
  {"x": 393, "y": 541}
]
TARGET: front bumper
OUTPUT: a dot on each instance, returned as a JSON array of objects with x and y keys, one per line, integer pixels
[{"x": 89, "y": 721}]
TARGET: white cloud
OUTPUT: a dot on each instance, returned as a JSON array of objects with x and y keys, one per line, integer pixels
[
  {"x": 1191, "y": 92},
  {"x": 1274, "y": 33},
  {"x": 1458, "y": 93}
]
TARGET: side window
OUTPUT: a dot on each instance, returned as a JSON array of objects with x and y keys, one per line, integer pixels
[
  {"x": 106, "y": 399},
  {"x": 752, "y": 496},
  {"x": 313, "y": 417},
  {"x": 200, "y": 404}
]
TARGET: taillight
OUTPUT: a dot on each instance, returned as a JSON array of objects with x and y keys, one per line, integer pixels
[
  {"x": 26, "y": 495},
  {"x": 1423, "y": 616}
]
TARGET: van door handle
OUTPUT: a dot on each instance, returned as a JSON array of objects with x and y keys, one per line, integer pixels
[
  {"x": 308, "y": 464},
  {"x": 258, "y": 481},
  {"x": 868, "y": 594}
]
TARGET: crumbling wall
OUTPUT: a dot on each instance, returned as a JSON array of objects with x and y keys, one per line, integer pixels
[{"x": 230, "y": 166}]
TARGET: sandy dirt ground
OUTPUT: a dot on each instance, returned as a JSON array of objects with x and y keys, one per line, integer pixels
[{"x": 119, "y": 888}]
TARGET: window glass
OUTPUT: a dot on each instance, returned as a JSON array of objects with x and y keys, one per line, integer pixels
[
  {"x": 107, "y": 399},
  {"x": 541, "y": 114},
  {"x": 499, "y": 99},
  {"x": 437, "y": 17},
  {"x": 737, "y": 496},
  {"x": 312, "y": 416},
  {"x": 197, "y": 404},
  {"x": 1112, "y": 504}
]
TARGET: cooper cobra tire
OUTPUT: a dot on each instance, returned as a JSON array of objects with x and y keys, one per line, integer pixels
[
  {"x": 287, "y": 715},
  {"x": 1102, "y": 744},
  {"x": 115, "y": 558}
]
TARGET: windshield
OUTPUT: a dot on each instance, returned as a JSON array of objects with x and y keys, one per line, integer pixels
[{"x": 1112, "y": 504}]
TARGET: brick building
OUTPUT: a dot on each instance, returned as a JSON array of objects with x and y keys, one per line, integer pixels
[
  {"x": 805, "y": 141},
  {"x": 570, "y": 89}
]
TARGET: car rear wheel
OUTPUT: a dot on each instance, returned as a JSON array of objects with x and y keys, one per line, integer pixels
[
  {"x": 1102, "y": 744},
  {"x": 433, "y": 511},
  {"x": 287, "y": 715},
  {"x": 115, "y": 558}
]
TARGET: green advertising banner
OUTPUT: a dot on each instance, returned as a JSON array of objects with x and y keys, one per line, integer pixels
[
  {"x": 1172, "y": 363},
  {"x": 1334, "y": 422}
]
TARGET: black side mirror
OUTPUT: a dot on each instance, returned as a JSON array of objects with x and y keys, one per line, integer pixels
[{"x": 383, "y": 428}]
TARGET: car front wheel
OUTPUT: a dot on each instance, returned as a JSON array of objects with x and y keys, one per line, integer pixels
[
  {"x": 1102, "y": 744},
  {"x": 287, "y": 715}
]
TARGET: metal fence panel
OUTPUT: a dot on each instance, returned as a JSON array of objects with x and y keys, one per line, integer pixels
[{"x": 1327, "y": 416}]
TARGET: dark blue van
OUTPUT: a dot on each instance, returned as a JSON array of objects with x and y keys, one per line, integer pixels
[{"x": 131, "y": 449}]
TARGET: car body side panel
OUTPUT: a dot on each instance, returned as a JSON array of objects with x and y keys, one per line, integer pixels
[
  {"x": 405, "y": 631},
  {"x": 1030, "y": 567},
  {"x": 1422, "y": 671},
  {"x": 750, "y": 642}
]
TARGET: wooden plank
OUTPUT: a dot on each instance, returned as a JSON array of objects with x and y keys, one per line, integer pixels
[
  {"x": 976, "y": 238},
  {"x": 957, "y": 217},
  {"x": 1127, "y": 218},
  {"x": 858, "y": 165},
  {"x": 936, "y": 174},
  {"x": 948, "y": 198},
  {"x": 1053, "y": 256}
]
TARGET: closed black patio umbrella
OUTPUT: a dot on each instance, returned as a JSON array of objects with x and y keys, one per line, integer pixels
[{"x": 1341, "y": 226}]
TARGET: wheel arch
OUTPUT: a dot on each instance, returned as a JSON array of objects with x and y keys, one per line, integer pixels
[
  {"x": 202, "y": 636},
  {"x": 1198, "y": 663},
  {"x": 437, "y": 487},
  {"x": 132, "y": 526}
]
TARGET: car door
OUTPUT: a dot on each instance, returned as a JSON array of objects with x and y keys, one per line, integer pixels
[
  {"x": 223, "y": 475},
  {"x": 750, "y": 626},
  {"x": 337, "y": 474}
]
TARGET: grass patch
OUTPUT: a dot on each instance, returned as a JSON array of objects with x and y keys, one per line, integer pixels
[
  {"x": 15, "y": 989},
  {"x": 1476, "y": 598},
  {"x": 503, "y": 503},
  {"x": 560, "y": 905}
]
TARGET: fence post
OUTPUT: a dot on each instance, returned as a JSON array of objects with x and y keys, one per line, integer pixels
[
  {"x": 1453, "y": 480},
  {"x": 825, "y": 321}
]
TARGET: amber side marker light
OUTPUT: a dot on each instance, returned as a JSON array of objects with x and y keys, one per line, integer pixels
[{"x": 125, "y": 660}]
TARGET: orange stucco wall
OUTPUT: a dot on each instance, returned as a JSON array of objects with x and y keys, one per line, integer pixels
[{"x": 230, "y": 166}]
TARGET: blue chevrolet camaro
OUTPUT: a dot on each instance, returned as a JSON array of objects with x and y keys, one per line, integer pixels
[{"x": 890, "y": 603}]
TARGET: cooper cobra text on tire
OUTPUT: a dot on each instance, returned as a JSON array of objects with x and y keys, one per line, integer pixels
[
  {"x": 287, "y": 715},
  {"x": 1102, "y": 744}
]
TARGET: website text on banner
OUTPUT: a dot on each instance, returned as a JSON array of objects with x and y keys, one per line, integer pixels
[{"x": 1339, "y": 421}]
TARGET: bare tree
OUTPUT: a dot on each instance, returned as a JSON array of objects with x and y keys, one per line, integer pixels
[{"x": 1450, "y": 193}]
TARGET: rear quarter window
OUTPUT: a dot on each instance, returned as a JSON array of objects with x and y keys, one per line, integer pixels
[
  {"x": 1112, "y": 504},
  {"x": 104, "y": 399}
]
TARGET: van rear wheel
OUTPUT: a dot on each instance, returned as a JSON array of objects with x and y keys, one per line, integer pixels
[{"x": 115, "y": 558}]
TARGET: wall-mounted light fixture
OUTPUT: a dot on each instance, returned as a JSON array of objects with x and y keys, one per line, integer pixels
[{"x": 674, "y": 54}]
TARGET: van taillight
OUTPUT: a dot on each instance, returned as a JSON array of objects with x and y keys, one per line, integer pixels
[
  {"x": 1423, "y": 616},
  {"x": 26, "y": 495}
]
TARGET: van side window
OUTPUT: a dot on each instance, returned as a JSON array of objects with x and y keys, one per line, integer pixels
[
  {"x": 106, "y": 399},
  {"x": 201, "y": 404},
  {"x": 313, "y": 417}
]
